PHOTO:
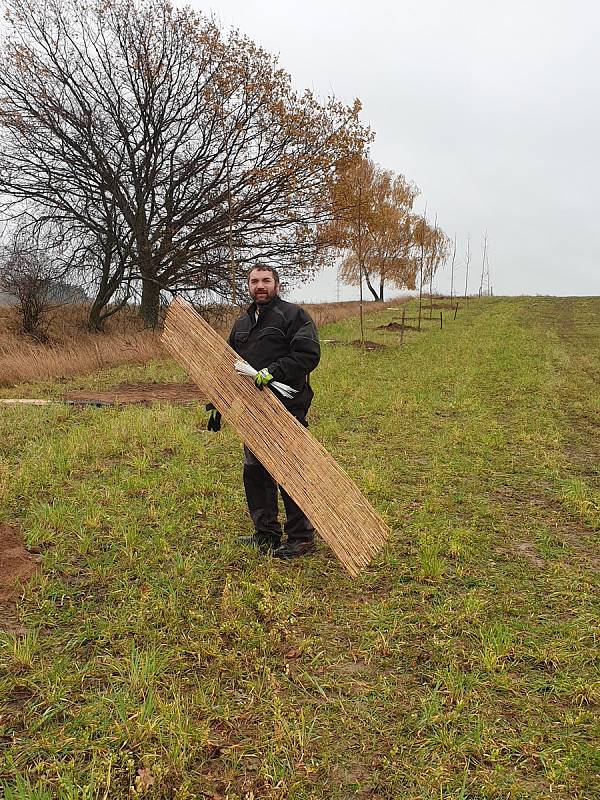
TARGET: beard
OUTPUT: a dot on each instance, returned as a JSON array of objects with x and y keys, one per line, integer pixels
[{"x": 263, "y": 296}]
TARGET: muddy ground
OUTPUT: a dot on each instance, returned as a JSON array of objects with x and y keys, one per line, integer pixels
[
  {"x": 398, "y": 326},
  {"x": 367, "y": 344},
  {"x": 140, "y": 393}
]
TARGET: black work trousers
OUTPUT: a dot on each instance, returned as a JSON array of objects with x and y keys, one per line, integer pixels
[{"x": 261, "y": 495}]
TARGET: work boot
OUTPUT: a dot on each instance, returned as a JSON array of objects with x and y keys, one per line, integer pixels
[
  {"x": 264, "y": 542},
  {"x": 294, "y": 548}
]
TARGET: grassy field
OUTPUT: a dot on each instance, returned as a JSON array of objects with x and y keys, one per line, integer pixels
[{"x": 162, "y": 661}]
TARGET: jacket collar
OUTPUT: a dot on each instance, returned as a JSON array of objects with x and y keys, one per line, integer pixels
[{"x": 252, "y": 308}]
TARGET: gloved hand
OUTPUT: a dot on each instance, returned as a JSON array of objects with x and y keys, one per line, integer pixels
[
  {"x": 263, "y": 377},
  {"x": 214, "y": 419}
]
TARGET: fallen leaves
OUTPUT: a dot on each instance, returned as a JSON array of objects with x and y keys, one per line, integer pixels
[{"x": 144, "y": 780}]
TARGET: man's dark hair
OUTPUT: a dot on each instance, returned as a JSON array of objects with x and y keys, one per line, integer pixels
[{"x": 263, "y": 268}]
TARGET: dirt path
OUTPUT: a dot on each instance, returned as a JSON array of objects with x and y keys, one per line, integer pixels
[
  {"x": 580, "y": 338},
  {"x": 575, "y": 324},
  {"x": 140, "y": 393}
]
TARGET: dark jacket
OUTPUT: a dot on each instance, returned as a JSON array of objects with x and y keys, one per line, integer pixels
[{"x": 285, "y": 341}]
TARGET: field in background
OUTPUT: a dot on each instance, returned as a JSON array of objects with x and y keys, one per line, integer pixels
[
  {"x": 75, "y": 351},
  {"x": 164, "y": 661}
]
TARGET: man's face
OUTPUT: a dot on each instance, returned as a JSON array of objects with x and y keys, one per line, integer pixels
[{"x": 262, "y": 286}]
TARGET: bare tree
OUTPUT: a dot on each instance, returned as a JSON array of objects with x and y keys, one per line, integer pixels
[
  {"x": 104, "y": 267},
  {"x": 433, "y": 243},
  {"x": 421, "y": 261},
  {"x": 97, "y": 256},
  {"x": 434, "y": 247},
  {"x": 483, "y": 263},
  {"x": 467, "y": 262},
  {"x": 192, "y": 140},
  {"x": 452, "y": 273},
  {"x": 35, "y": 282}
]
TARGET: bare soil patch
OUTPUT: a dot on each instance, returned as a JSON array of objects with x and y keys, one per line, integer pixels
[
  {"x": 368, "y": 344},
  {"x": 139, "y": 393},
  {"x": 16, "y": 566},
  {"x": 522, "y": 503},
  {"x": 528, "y": 550},
  {"x": 397, "y": 326}
]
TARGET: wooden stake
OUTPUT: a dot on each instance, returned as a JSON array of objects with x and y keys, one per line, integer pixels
[
  {"x": 433, "y": 257},
  {"x": 467, "y": 271},
  {"x": 402, "y": 328},
  {"x": 452, "y": 272},
  {"x": 360, "y": 267},
  {"x": 421, "y": 263}
]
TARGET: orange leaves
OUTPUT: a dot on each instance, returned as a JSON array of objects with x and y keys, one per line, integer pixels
[
  {"x": 375, "y": 227},
  {"x": 176, "y": 149}
]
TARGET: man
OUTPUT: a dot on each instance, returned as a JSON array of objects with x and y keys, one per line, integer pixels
[{"x": 280, "y": 340}]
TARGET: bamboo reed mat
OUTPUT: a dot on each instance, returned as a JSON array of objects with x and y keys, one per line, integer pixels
[{"x": 332, "y": 502}]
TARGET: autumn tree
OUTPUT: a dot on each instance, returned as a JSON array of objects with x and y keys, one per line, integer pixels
[
  {"x": 182, "y": 154},
  {"x": 374, "y": 226},
  {"x": 390, "y": 254}
]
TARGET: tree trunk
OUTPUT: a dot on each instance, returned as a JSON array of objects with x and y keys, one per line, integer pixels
[
  {"x": 103, "y": 296},
  {"x": 381, "y": 284},
  {"x": 109, "y": 284},
  {"x": 95, "y": 319},
  {"x": 370, "y": 285},
  {"x": 150, "y": 302}
]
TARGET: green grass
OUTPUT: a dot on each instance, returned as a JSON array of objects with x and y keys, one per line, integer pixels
[{"x": 164, "y": 662}]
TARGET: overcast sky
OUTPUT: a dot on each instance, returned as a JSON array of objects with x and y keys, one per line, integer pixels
[{"x": 491, "y": 108}]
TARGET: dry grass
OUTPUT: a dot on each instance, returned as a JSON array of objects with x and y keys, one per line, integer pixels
[
  {"x": 221, "y": 318},
  {"x": 73, "y": 350},
  {"x": 23, "y": 361}
]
